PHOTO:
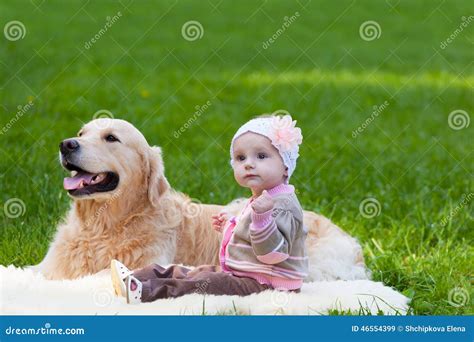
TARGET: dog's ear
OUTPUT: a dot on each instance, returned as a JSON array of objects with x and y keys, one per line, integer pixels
[{"x": 157, "y": 182}]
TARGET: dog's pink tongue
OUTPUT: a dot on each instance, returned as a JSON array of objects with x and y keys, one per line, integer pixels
[{"x": 73, "y": 183}]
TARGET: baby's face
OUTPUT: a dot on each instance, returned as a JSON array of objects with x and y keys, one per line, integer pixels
[{"x": 257, "y": 163}]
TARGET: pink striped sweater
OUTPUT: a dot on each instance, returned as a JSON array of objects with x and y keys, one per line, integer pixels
[{"x": 268, "y": 247}]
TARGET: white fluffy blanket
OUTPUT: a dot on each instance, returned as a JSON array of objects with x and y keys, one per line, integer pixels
[{"x": 23, "y": 292}]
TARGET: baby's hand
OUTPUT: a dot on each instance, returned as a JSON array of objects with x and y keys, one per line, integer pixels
[
  {"x": 263, "y": 203},
  {"x": 219, "y": 221}
]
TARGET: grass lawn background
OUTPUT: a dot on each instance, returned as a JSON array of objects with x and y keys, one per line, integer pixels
[{"x": 319, "y": 69}]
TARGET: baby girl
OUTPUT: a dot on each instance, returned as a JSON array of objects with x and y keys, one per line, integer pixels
[{"x": 263, "y": 247}]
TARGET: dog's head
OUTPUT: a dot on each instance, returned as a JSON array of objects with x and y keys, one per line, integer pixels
[{"x": 111, "y": 156}]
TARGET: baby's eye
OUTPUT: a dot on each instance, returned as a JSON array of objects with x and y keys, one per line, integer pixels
[
  {"x": 262, "y": 156},
  {"x": 240, "y": 158}
]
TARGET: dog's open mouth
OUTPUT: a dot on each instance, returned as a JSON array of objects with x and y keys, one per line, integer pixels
[{"x": 82, "y": 182}]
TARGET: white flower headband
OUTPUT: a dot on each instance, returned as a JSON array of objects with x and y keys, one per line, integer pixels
[{"x": 283, "y": 134}]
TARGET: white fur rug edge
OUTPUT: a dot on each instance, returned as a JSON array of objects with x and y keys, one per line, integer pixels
[{"x": 24, "y": 292}]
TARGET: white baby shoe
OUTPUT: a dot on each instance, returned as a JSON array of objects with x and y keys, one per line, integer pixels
[
  {"x": 134, "y": 290},
  {"x": 119, "y": 277}
]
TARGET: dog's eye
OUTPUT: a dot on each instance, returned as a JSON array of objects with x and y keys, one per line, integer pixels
[
  {"x": 79, "y": 134},
  {"x": 111, "y": 138}
]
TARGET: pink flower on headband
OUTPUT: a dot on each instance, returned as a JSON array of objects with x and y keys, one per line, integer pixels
[{"x": 285, "y": 134}]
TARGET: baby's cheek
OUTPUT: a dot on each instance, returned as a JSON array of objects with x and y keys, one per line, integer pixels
[{"x": 238, "y": 176}]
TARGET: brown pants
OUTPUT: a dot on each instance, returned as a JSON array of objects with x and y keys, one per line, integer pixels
[{"x": 174, "y": 281}]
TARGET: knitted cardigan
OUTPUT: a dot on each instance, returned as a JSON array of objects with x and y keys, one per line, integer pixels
[{"x": 268, "y": 247}]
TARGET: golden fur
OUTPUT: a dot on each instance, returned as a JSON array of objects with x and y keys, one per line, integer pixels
[{"x": 145, "y": 221}]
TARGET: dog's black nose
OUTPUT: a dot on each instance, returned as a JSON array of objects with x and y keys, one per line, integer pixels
[{"x": 68, "y": 146}]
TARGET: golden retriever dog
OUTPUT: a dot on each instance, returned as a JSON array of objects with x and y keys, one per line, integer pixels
[{"x": 124, "y": 208}]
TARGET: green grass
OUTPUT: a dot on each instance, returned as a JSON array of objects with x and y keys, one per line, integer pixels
[{"x": 319, "y": 69}]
